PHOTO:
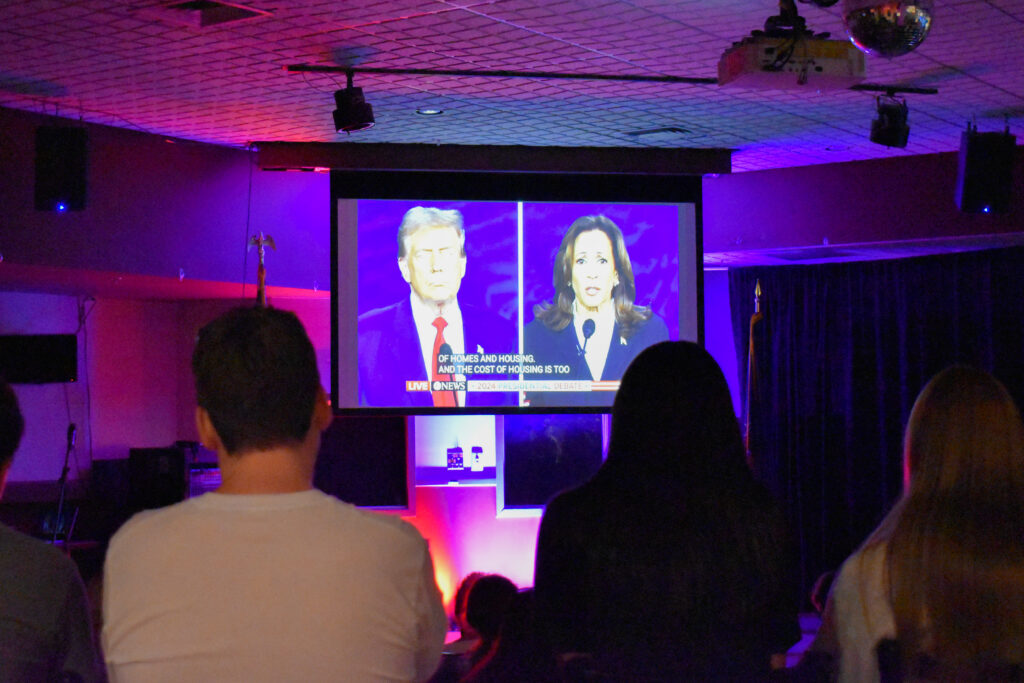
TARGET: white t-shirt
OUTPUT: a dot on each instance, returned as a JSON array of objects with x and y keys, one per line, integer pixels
[
  {"x": 857, "y": 616},
  {"x": 280, "y": 587}
]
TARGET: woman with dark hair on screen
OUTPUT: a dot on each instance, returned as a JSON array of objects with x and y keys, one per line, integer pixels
[
  {"x": 672, "y": 563},
  {"x": 592, "y": 327},
  {"x": 937, "y": 591}
]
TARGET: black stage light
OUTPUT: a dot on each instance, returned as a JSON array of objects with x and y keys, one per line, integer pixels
[
  {"x": 353, "y": 112},
  {"x": 890, "y": 128}
]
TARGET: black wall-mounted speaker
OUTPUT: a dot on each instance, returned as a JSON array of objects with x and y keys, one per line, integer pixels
[
  {"x": 39, "y": 358},
  {"x": 984, "y": 179},
  {"x": 61, "y": 162}
]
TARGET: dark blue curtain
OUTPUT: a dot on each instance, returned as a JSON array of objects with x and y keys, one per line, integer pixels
[{"x": 841, "y": 354}]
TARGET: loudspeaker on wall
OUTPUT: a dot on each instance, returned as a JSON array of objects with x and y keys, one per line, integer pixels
[
  {"x": 39, "y": 358},
  {"x": 984, "y": 179},
  {"x": 61, "y": 160}
]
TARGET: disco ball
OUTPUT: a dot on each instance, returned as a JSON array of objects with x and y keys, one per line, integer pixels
[{"x": 887, "y": 29}]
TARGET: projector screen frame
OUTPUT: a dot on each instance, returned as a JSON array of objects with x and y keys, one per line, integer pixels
[{"x": 426, "y": 186}]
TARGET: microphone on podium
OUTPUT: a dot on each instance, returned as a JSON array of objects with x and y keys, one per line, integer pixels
[{"x": 588, "y": 331}]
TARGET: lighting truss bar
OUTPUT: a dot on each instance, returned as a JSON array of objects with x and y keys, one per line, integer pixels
[
  {"x": 636, "y": 78},
  {"x": 894, "y": 89}
]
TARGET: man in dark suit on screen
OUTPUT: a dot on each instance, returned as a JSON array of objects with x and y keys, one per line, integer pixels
[{"x": 401, "y": 343}]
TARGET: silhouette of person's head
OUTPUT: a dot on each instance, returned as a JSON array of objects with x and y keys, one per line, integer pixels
[
  {"x": 12, "y": 426},
  {"x": 964, "y": 434},
  {"x": 673, "y": 419},
  {"x": 487, "y": 603},
  {"x": 459, "y": 607},
  {"x": 256, "y": 376}
]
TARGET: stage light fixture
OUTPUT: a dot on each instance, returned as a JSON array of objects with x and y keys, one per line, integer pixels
[
  {"x": 353, "y": 112},
  {"x": 890, "y": 128}
]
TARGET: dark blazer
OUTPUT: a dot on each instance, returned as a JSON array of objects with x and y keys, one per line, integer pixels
[
  {"x": 561, "y": 348},
  {"x": 389, "y": 354}
]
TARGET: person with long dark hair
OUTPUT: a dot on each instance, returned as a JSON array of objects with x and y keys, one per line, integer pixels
[
  {"x": 672, "y": 563},
  {"x": 592, "y": 326},
  {"x": 940, "y": 583}
]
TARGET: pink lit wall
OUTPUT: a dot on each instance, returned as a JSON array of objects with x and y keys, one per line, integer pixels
[
  {"x": 133, "y": 375},
  {"x": 465, "y": 535}
]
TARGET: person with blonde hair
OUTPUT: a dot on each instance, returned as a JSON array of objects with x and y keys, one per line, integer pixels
[{"x": 937, "y": 590}]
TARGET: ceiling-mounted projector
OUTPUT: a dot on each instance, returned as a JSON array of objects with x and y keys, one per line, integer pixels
[{"x": 782, "y": 63}]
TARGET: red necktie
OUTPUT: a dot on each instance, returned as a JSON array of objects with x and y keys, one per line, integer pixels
[{"x": 445, "y": 398}]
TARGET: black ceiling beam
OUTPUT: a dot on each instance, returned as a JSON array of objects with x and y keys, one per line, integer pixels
[
  {"x": 487, "y": 73},
  {"x": 894, "y": 89},
  {"x": 370, "y": 156},
  {"x": 634, "y": 78}
]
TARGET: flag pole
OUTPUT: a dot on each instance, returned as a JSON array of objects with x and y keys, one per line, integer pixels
[
  {"x": 261, "y": 241},
  {"x": 751, "y": 371}
]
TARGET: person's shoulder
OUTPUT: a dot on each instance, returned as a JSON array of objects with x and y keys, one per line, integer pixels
[
  {"x": 483, "y": 318},
  {"x": 376, "y": 525},
  {"x": 471, "y": 311},
  {"x": 536, "y": 325},
  {"x": 860, "y": 580},
  {"x": 867, "y": 563},
  {"x": 384, "y": 312},
  {"x": 860, "y": 598},
  {"x": 151, "y": 523},
  {"x": 538, "y": 331},
  {"x": 573, "y": 516},
  {"x": 570, "y": 501},
  {"x": 34, "y": 553},
  {"x": 654, "y": 328}
]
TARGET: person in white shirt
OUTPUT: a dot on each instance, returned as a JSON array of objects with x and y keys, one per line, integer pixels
[{"x": 267, "y": 579}]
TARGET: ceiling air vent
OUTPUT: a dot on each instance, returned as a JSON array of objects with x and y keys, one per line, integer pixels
[{"x": 205, "y": 13}]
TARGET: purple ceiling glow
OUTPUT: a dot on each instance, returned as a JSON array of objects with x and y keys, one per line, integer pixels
[{"x": 148, "y": 69}]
